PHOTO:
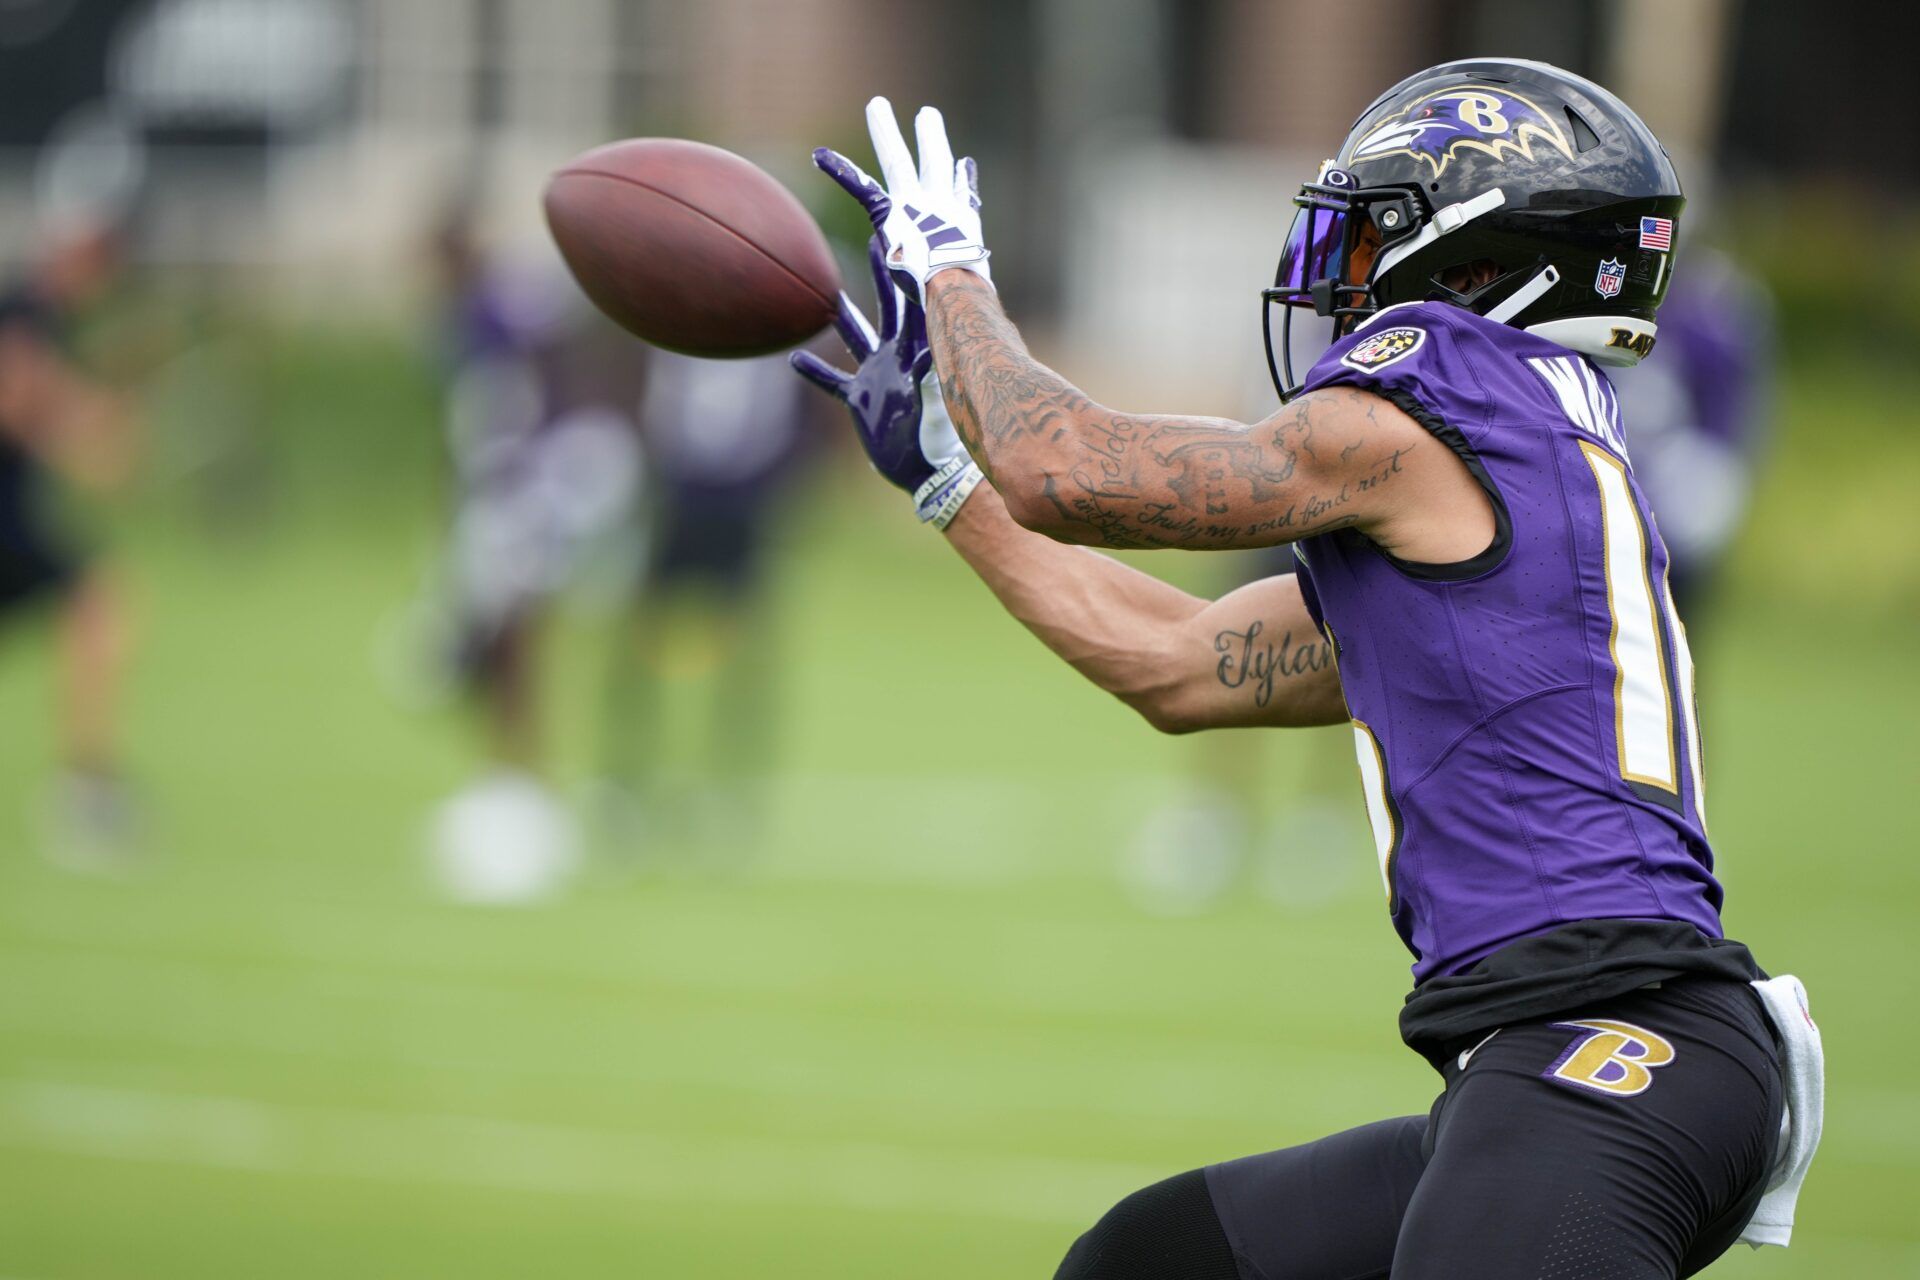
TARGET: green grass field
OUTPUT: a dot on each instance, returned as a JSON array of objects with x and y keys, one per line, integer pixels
[{"x": 923, "y": 1034}]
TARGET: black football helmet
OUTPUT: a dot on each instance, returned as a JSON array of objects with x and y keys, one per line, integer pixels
[{"x": 1546, "y": 175}]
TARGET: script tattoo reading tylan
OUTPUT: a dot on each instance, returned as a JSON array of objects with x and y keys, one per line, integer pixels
[
  {"x": 1246, "y": 658},
  {"x": 1127, "y": 480}
]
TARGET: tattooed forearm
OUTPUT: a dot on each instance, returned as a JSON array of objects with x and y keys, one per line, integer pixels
[
  {"x": 1127, "y": 480},
  {"x": 993, "y": 387},
  {"x": 1245, "y": 657}
]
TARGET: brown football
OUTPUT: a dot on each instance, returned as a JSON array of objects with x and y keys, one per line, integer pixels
[{"x": 692, "y": 247}]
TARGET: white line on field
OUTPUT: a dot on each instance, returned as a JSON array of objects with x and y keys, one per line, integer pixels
[{"x": 416, "y": 1147}]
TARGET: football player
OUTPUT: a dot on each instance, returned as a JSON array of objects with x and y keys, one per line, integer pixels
[
  {"x": 59, "y": 424},
  {"x": 1481, "y": 590},
  {"x": 725, "y": 440},
  {"x": 547, "y": 467},
  {"x": 1698, "y": 418}
]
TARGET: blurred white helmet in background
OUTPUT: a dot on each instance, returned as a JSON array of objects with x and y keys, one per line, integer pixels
[{"x": 504, "y": 840}]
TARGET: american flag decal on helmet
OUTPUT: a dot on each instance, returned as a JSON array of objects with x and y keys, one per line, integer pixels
[{"x": 1656, "y": 233}]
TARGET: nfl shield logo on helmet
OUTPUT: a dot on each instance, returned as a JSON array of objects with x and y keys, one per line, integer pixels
[{"x": 1613, "y": 273}]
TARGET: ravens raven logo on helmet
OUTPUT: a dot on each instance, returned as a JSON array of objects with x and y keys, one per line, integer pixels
[{"x": 1480, "y": 118}]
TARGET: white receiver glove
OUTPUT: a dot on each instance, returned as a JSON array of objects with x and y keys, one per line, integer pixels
[{"x": 928, "y": 217}]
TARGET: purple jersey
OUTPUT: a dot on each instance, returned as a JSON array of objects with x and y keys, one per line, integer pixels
[{"x": 1524, "y": 720}]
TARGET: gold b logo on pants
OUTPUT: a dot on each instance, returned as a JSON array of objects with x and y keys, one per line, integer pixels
[{"x": 1613, "y": 1058}]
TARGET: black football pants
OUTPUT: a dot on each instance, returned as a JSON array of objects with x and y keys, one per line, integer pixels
[{"x": 1628, "y": 1139}]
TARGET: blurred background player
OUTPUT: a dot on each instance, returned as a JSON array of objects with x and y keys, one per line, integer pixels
[
  {"x": 725, "y": 439},
  {"x": 546, "y": 468},
  {"x": 1276, "y": 816},
  {"x": 1699, "y": 417},
  {"x": 1274, "y": 813},
  {"x": 60, "y": 426}
]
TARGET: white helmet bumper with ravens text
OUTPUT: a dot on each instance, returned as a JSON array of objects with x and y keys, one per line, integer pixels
[{"x": 1548, "y": 176}]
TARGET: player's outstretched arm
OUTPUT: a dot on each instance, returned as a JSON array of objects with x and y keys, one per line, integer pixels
[
  {"x": 1182, "y": 662},
  {"x": 1078, "y": 471},
  {"x": 82, "y": 430},
  {"x": 1253, "y": 657}
]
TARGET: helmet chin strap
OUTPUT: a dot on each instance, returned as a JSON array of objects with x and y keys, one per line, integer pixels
[{"x": 1525, "y": 296}]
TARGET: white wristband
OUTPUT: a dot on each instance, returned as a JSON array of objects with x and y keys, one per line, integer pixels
[{"x": 939, "y": 500}]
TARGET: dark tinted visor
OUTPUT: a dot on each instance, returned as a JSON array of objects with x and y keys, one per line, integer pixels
[{"x": 1317, "y": 241}]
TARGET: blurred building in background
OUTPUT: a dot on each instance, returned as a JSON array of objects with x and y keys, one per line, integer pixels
[{"x": 317, "y": 135}]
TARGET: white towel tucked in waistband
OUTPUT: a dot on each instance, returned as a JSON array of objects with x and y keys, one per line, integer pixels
[{"x": 1805, "y": 1071}]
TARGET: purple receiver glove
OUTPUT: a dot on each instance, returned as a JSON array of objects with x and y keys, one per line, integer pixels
[{"x": 895, "y": 399}]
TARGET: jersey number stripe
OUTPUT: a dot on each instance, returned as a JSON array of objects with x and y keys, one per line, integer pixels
[
  {"x": 1381, "y": 814},
  {"x": 1643, "y": 701},
  {"x": 1689, "y": 706}
]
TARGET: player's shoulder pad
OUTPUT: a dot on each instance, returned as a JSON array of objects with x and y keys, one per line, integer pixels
[
  {"x": 1374, "y": 351},
  {"x": 1405, "y": 335},
  {"x": 1419, "y": 351}
]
